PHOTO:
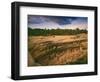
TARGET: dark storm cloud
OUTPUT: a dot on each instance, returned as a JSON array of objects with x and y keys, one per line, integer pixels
[
  {"x": 61, "y": 20},
  {"x": 35, "y": 19}
]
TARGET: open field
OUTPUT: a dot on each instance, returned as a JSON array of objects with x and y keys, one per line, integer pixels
[{"x": 57, "y": 50}]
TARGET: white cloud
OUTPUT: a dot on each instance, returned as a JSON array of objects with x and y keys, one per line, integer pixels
[{"x": 53, "y": 25}]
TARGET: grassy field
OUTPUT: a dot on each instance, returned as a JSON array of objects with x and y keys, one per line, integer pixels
[{"x": 57, "y": 50}]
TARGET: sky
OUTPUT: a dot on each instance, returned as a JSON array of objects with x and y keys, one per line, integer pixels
[{"x": 54, "y": 22}]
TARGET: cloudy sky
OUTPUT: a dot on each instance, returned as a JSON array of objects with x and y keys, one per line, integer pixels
[{"x": 54, "y": 22}]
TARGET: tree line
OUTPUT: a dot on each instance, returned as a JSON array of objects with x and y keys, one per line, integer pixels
[{"x": 48, "y": 32}]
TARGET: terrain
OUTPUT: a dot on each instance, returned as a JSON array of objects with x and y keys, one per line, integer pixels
[{"x": 67, "y": 49}]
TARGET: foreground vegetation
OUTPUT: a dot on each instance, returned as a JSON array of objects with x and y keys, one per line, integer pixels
[{"x": 57, "y": 49}]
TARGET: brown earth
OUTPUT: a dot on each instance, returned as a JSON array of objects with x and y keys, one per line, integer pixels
[{"x": 56, "y": 50}]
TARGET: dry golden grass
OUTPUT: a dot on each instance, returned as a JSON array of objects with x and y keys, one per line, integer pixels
[{"x": 57, "y": 50}]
